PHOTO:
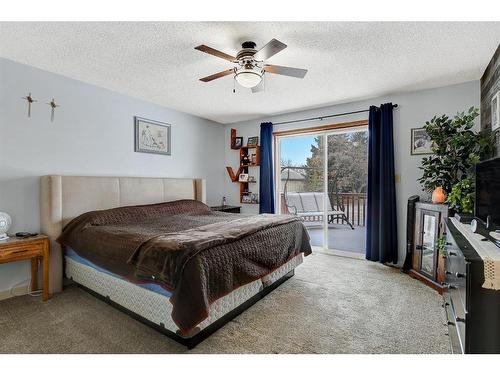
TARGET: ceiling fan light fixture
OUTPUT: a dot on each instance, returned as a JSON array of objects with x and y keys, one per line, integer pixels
[
  {"x": 248, "y": 76},
  {"x": 250, "y": 65}
]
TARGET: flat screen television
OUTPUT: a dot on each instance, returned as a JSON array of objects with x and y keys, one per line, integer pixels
[{"x": 488, "y": 190}]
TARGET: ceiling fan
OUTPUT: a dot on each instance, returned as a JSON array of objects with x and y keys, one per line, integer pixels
[{"x": 250, "y": 65}]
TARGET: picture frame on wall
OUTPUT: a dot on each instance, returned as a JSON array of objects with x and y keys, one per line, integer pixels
[
  {"x": 495, "y": 112},
  {"x": 238, "y": 142},
  {"x": 246, "y": 199},
  {"x": 421, "y": 143},
  {"x": 252, "y": 141},
  {"x": 152, "y": 137}
]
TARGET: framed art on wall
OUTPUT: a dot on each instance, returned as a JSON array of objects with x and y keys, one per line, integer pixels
[
  {"x": 238, "y": 142},
  {"x": 495, "y": 112},
  {"x": 421, "y": 143},
  {"x": 253, "y": 141},
  {"x": 246, "y": 199},
  {"x": 152, "y": 136}
]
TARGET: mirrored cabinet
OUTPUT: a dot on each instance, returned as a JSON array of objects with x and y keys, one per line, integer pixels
[{"x": 428, "y": 264}]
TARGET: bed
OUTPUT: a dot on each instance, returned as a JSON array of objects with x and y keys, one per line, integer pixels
[{"x": 152, "y": 295}]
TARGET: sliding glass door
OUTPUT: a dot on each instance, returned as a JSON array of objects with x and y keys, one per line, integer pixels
[
  {"x": 347, "y": 177},
  {"x": 301, "y": 182},
  {"x": 322, "y": 178}
]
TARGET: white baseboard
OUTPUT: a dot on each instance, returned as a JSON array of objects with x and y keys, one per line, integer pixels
[{"x": 14, "y": 292}]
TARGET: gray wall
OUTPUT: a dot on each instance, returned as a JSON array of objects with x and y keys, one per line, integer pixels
[
  {"x": 92, "y": 135},
  {"x": 414, "y": 109},
  {"x": 490, "y": 85}
]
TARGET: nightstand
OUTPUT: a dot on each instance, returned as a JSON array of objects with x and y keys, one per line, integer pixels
[
  {"x": 34, "y": 248},
  {"x": 226, "y": 208}
]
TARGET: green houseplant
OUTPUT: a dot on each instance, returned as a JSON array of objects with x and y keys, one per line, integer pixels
[
  {"x": 456, "y": 148},
  {"x": 441, "y": 244},
  {"x": 441, "y": 247},
  {"x": 461, "y": 197}
]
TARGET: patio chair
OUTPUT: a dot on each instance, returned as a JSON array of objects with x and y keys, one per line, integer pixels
[{"x": 309, "y": 205}]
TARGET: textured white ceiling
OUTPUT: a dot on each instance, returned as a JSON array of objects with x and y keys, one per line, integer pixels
[{"x": 346, "y": 61}]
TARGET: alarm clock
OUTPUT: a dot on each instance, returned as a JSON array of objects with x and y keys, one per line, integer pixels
[{"x": 5, "y": 223}]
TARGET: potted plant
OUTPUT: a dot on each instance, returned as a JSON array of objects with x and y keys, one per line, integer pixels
[
  {"x": 461, "y": 197},
  {"x": 456, "y": 149},
  {"x": 441, "y": 243}
]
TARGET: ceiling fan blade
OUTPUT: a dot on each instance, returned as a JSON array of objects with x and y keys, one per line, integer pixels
[
  {"x": 217, "y": 75},
  {"x": 286, "y": 71},
  {"x": 259, "y": 87},
  {"x": 214, "y": 52},
  {"x": 270, "y": 49}
]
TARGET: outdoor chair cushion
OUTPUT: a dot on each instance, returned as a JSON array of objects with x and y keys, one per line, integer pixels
[{"x": 309, "y": 204}]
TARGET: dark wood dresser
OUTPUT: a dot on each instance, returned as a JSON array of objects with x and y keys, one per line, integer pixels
[{"x": 472, "y": 311}]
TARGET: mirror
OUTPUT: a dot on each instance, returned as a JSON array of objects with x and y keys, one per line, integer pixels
[{"x": 428, "y": 244}]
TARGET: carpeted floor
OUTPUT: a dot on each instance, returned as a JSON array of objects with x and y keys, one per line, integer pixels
[{"x": 331, "y": 305}]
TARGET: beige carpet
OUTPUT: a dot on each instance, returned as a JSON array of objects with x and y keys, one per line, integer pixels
[{"x": 331, "y": 305}]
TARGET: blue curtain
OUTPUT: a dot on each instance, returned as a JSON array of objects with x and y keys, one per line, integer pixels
[
  {"x": 381, "y": 226},
  {"x": 266, "y": 181}
]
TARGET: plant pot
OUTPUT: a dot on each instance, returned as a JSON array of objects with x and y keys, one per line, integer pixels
[{"x": 438, "y": 195}]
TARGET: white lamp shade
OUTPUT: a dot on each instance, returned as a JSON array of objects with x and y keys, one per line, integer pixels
[
  {"x": 248, "y": 77},
  {"x": 5, "y": 223}
]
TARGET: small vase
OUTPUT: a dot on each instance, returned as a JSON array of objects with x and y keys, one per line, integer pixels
[{"x": 438, "y": 195}]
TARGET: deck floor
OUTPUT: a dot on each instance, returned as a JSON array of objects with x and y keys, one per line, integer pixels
[{"x": 340, "y": 237}]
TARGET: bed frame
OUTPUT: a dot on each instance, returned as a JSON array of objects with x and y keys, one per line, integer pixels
[{"x": 63, "y": 198}]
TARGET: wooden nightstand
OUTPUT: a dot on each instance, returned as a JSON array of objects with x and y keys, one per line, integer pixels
[{"x": 15, "y": 249}]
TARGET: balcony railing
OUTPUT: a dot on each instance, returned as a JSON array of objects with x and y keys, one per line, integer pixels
[{"x": 352, "y": 204}]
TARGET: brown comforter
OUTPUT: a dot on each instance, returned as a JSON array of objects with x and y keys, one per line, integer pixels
[{"x": 197, "y": 254}]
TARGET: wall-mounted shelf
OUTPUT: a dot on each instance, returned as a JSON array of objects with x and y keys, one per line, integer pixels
[{"x": 249, "y": 158}]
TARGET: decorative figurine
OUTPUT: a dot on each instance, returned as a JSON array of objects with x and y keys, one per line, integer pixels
[
  {"x": 30, "y": 100},
  {"x": 53, "y": 106},
  {"x": 245, "y": 160}
]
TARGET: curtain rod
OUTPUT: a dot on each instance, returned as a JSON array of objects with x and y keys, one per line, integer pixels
[{"x": 323, "y": 117}]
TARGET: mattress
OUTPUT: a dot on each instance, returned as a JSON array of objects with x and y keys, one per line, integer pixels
[{"x": 153, "y": 304}]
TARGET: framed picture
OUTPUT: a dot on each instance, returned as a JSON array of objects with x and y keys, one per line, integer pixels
[
  {"x": 246, "y": 199},
  {"x": 243, "y": 177},
  {"x": 252, "y": 141},
  {"x": 238, "y": 142},
  {"x": 495, "y": 112},
  {"x": 421, "y": 143},
  {"x": 152, "y": 136}
]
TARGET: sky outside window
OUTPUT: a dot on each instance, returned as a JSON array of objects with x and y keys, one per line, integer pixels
[{"x": 296, "y": 149}]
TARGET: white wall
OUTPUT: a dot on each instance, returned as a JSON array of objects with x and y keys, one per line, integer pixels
[
  {"x": 92, "y": 134},
  {"x": 414, "y": 109}
]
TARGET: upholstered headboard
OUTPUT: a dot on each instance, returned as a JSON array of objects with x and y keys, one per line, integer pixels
[{"x": 63, "y": 198}]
